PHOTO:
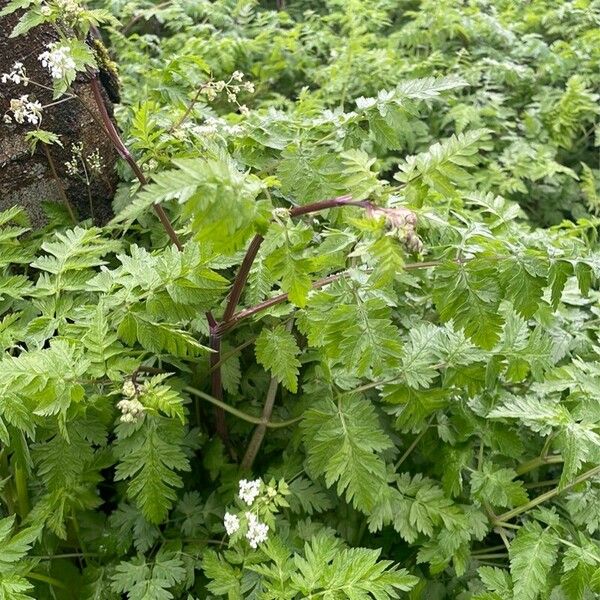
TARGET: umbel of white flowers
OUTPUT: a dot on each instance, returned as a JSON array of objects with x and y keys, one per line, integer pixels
[
  {"x": 58, "y": 60},
  {"x": 249, "y": 490},
  {"x": 16, "y": 76},
  {"x": 257, "y": 531},
  {"x": 23, "y": 110}
]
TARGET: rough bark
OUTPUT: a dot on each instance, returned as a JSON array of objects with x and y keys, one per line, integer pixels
[{"x": 27, "y": 180}]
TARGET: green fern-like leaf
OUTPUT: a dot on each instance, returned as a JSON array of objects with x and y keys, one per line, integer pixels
[
  {"x": 342, "y": 441},
  {"x": 354, "y": 573},
  {"x": 443, "y": 165},
  {"x": 469, "y": 295},
  {"x": 150, "y": 454},
  {"x": 532, "y": 554},
  {"x": 277, "y": 350}
]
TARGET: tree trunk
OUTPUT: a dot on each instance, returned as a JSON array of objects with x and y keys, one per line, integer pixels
[{"x": 28, "y": 179}]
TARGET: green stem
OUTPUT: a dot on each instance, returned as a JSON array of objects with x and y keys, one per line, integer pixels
[
  {"x": 537, "y": 462},
  {"x": 413, "y": 445},
  {"x": 47, "y": 579},
  {"x": 22, "y": 492},
  {"x": 547, "y": 496},
  {"x": 225, "y": 357},
  {"x": 238, "y": 413},
  {"x": 261, "y": 429},
  {"x": 487, "y": 550},
  {"x": 538, "y": 484}
]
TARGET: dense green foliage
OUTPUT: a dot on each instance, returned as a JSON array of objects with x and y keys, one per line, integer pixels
[{"x": 411, "y": 371}]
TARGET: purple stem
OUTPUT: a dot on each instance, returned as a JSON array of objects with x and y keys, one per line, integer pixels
[{"x": 124, "y": 153}]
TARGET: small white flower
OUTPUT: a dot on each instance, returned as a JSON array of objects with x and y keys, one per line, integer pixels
[
  {"x": 237, "y": 76},
  {"x": 72, "y": 167},
  {"x": 24, "y": 109},
  {"x": 257, "y": 531},
  {"x": 249, "y": 490},
  {"x": 249, "y": 86},
  {"x": 45, "y": 10},
  {"x": 244, "y": 110},
  {"x": 94, "y": 161},
  {"x": 231, "y": 523},
  {"x": 17, "y": 75},
  {"x": 58, "y": 60}
]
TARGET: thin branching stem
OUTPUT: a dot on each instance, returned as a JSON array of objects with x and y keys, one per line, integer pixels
[
  {"x": 225, "y": 357},
  {"x": 252, "y": 251},
  {"x": 217, "y": 329},
  {"x": 417, "y": 439},
  {"x": 238, "y": 413},
  {"x": 187, "y": 112},
  {"x": 511, "y": 514},
  {"x": 537, "y": 462}
]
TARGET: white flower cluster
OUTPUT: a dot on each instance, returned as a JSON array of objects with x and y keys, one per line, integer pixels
[
  {"x": 249, "y": 490},
  {"x": 17, "y": 75},
  {"x": 23, "y": 110},
  {"x": 69, "y": 8},
  {"x": 92, "y": 162},
  {"x": 257, "y": 531},
  {"x": 129, "y": 389},
  {"x": 58, "y": 60},
  {"x": 213, "y": 125},
  {"x": 131, "y": 408},
  {"x": 232, "y": 88},
  {"x": 72, "y": 167},
  {"x": 231, "y": 522}
]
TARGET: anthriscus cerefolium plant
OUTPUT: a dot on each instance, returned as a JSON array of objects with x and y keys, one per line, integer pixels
[{"x": 339, "y": 340}]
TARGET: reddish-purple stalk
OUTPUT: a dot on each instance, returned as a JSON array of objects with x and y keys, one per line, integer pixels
[
  {"x": 229, "y": 319},
  {"x": 242, "y": 276},
  {"x": 215, "y": 377},
  {"x": 124, "y": 153},
  {"x": 244, "y": 270},
  {"x": 225, "y": 326}
]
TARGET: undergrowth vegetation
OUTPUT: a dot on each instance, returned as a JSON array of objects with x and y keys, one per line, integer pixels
[{"x": 356, "y": 354}]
